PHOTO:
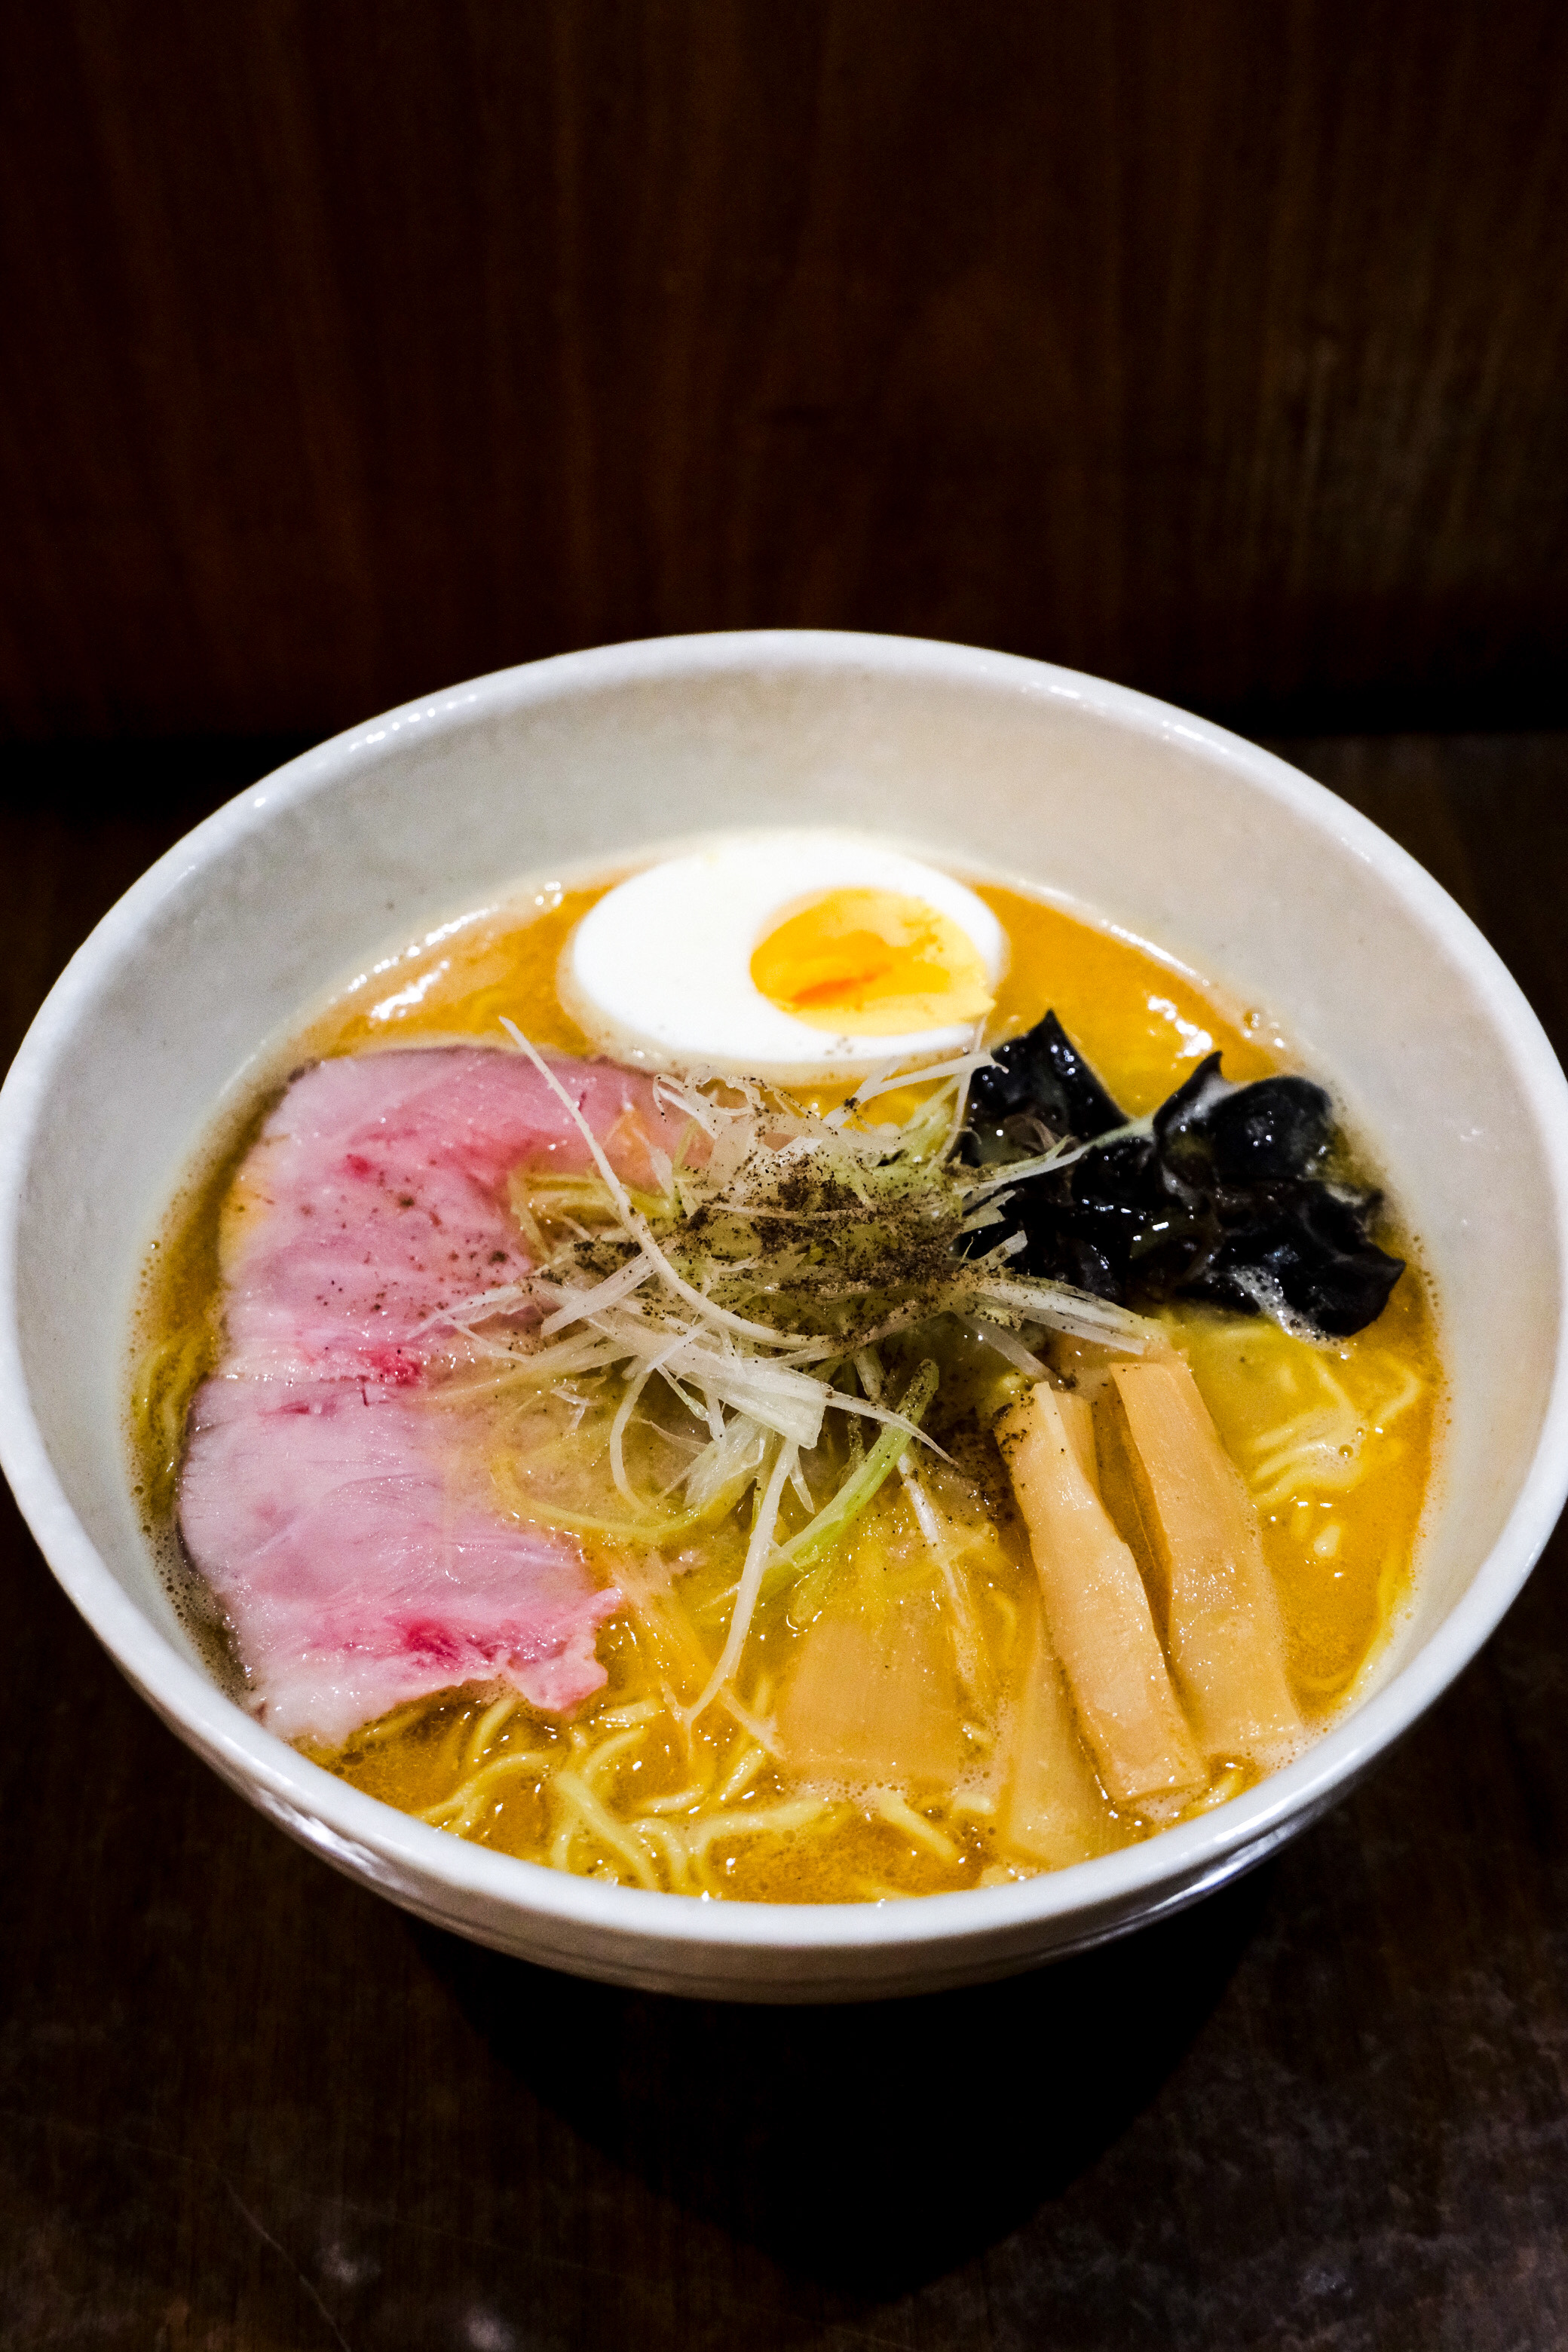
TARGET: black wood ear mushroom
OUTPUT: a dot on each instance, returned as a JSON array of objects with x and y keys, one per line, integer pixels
[{"x": 1219, "y": 1196}]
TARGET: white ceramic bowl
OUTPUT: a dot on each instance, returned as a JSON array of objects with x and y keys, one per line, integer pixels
[{"x": 1182, "y": 833}]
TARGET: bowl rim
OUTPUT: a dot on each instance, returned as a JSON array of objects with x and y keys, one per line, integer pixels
[{"x": 368, "y": 1836}]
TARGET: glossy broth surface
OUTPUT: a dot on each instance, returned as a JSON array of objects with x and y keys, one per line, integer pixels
[{"x": 763, "y": 1799}]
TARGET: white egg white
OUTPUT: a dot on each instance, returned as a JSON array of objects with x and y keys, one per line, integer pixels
[{"x": 659, "y": 972}]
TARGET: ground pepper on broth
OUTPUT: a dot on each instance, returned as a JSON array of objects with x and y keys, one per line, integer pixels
[{"x": 894, "y": 1701}]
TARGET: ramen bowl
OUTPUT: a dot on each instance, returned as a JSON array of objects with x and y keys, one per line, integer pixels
[{"x": 1181, "y": 833}]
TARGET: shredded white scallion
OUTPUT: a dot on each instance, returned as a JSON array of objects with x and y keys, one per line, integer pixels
[
  {"x": 779, "y": 1250},
  {"x": 757, "y": 1552}
]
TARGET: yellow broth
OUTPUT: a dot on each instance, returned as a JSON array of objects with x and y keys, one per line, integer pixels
[{"x": 761, "y": 1800}]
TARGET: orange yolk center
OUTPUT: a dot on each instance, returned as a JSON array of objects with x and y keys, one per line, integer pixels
[{"x": 871, "y": 963}]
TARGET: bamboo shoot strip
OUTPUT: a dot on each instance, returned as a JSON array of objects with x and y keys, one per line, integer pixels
[
  {"x": 1053, "y": 1811},
  {"x": 1098, "y": 1614},
  {"x": 1077, "y": 1421},
  {"x": 875, "y": 1701},
  {"x": 1222, "y": 1616}
]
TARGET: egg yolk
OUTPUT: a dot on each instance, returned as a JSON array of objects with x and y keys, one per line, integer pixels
[{"x": 871, "y": 963}]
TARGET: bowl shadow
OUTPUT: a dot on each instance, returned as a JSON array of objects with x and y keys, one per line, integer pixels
[{"x": 873, "y": 2147}]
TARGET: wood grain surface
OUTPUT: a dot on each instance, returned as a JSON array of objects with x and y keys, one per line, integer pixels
[
  {"x": 356, "y": 347},
  {"x": 249, "y": 2108}
]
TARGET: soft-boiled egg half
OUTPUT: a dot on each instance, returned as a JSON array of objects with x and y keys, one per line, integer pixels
[{"x": 802, "y": 958}]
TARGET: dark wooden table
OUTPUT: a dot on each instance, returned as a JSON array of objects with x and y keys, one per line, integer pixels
[{"x": 247, "y": 2106}]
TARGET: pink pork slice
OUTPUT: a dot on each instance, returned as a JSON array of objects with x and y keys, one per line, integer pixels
[{"x": 317, "y": 1497}]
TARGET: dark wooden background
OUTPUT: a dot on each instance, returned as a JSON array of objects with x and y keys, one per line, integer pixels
[
  {"x": 349, "y": 347},
  {"x": 355, "y": 346}
]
